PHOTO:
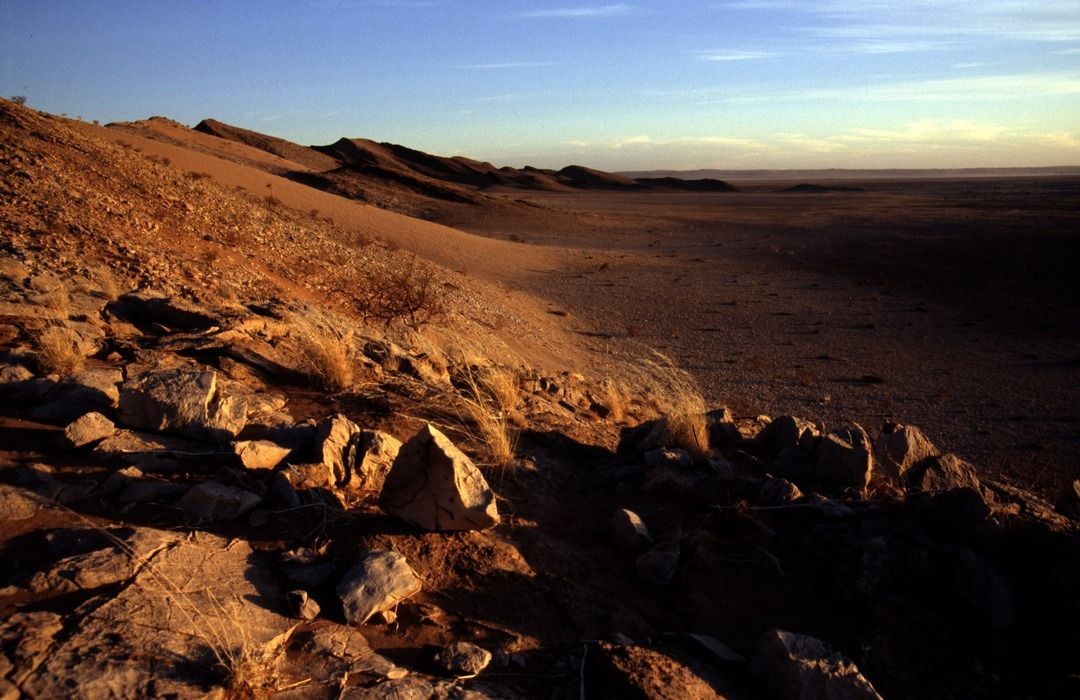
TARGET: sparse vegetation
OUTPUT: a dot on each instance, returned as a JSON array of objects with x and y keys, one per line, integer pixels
[
  {"x": 107, "y": 283},
  {"x": 56, "y": 350},
  {"x": 409, "y": 293},
  {"x": 680, "y": 403},
  {"x": 19, "y": 99},
  {"x": 324, "y": 354}
]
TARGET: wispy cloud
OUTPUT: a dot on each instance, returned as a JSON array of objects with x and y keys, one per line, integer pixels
[
  {"x": 723, "y": 55},
  {"x": 615, "y": 10},
  {"x": 936, "y": 21},
  {"x": 508, "y": 65}
]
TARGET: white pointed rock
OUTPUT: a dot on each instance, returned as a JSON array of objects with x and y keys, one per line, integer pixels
[{"x": 436, "y": 487}]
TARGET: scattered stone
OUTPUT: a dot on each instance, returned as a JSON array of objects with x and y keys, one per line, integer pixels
[
  {"x": 786, "y": 431},
  {"x": 333, "y": 438},
  {"x": 799, "y": 667},
  {"x": 436, "y": 487},
  {"x": 984, "y": 589},
  {"x": 260, "y": 454},
  {"x": 17, "y": 504},
  {"x": 901, "y": 447},
  {"x": 155, "y": 453},
  {"x": 152, "y": 491},
  {"x": 766, "y": 561},
  {"x": 778, "y": 492},
  {"x": 721, "y": 468},
  {"x": 463, "y": 659},
  {"x": 629, "y": 530},
  {"x": 378, "y": 581},
  {"x": 301, "y": 605},
  {"x": 668, "y": 457},
  {"x": 373, "y": 455},
  {"x": 944, "y": 473},
  {"x": 657, "y": 566},
  {"x": 632, "y": 671},
  {"x": 184, "y": 401},
  {"x": 87, "y": 429},
  {"x": 845, "y": 459},
  {"x": 829, "y": 506},
  {"x": 339, "y": 652},
  {"x": 215, "y": 502},
  {"x": 90, "y": 390}
]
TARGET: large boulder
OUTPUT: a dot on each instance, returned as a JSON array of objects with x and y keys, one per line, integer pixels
[
  {"x": 185, "y": 401},
  {"x": 943, "y": 473},
  {"x": 435, "y": 486},
  {"x": 333, "y": 438},
  {"x": 799, "y": 667},
  {"x": 377, "y": 582},
  {"x": 359, "y": 459}
]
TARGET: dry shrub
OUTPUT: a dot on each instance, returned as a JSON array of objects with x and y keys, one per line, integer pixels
[
  {"x": 681, "y": 404},
  {"x": 489, "y": 395},
  {"x": 615, "y": 400},
  {"x": 323, "y": 353},
  {"x": 409, "y": 293},
  {"x": 56, "y": 351},
  {"x": 107, "y": 283}
]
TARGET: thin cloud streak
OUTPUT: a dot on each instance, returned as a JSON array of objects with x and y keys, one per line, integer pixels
[
  {"x": 617, "y": 10},
  {"x": 725, "y": 55},
  {"x": 509, "y": 65}
]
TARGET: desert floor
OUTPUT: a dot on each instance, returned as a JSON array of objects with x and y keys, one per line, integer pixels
[{"x": 954, "y": 305}]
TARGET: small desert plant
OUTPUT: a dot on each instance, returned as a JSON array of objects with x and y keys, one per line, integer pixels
[
  {"x": 56, "y": 350},
  {"x": 409, "y": 293},
  {"x": 19, "y": 99},
  {"x": 108, "y": 285},
  {"x": 488, "y": 396},
  {"x": 614, "y": 401},
  {"x": 681, "y": 404},
  {"x": 323, "y": 353}
]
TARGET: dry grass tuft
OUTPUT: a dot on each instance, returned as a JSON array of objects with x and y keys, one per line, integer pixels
[
  {"x": 615, "y": 401},
  {"x": 56, "y": 350},
  {"x": 57, "y": 302},
  {"x": 323, "y": 353},
  {"x": 107, "y": 283},
  {"x": 489, "y": 395},
  {"x": 681, "y": 404}
]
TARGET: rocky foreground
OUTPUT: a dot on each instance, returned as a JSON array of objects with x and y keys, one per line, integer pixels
[{"x": 196, "y": 499}]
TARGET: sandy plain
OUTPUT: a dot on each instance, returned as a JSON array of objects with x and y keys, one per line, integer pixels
[{"x": 950, "y": 304}]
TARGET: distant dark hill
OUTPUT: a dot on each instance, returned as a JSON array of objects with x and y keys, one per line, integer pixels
[
  {"x": 408, "y": 180},
  {"x": 807, "y": 188}
]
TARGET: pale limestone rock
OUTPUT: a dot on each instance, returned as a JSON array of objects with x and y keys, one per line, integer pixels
[{"x": 434, "y": 486}]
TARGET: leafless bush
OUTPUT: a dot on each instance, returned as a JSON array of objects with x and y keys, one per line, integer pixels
[
  {"x": 56, "y": 350},
  {"x": 409, "y": 294}
]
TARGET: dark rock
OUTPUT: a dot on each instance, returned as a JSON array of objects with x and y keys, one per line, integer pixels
[
  {"x": 629, "y": 530},
  {"x": 301, "y": 605},
  {"x": 778, "y": 492},
  {"x": 463, "y": 659},
  {"x": 87, "y": 429},
  {"x": 214, "y": 502},
  {"x": 657, "y": 566},
  {"x": 900, "y": 448},
  {"x": 184, "y": 401},
  {"x": 798, "y": 667},
  {"x": 943, "y": 473},
  {"x": 984, "y": 589},
  {"x": 378, "y": 581}
]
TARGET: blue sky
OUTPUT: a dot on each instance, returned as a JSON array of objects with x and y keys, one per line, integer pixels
[{"x": 633, "y": 85}]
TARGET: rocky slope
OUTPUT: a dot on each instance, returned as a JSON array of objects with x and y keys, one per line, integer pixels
[{"x": 222, "y": 476}]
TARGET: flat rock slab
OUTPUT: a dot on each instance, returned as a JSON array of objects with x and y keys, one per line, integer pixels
[
  {"x": 378, "y": 581},
  {"x": 199, "y": 600},
  {"x": 85, "y": 572},
  {"x": 639, "y": 672},
  {"x": 436, "y": 487},
  {"x": 215, "y": 502},
  {"x": 17, "y": 504},
  {"x": 155, "y": 453},
  {"x": 260, "y": 454}
]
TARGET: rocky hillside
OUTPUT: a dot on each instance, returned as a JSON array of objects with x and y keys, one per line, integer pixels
[{"x": 248, "y": 454}]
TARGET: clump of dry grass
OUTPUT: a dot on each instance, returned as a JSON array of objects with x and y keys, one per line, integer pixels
[
  {"x": 324, "y": 353},
  {"x": 107, "y": 283},
  {"x": 56, "y": 350},
  {"x": 679, "y": 400},
  {"x": 614, "y": 400},
  {"x": 489, "y": 396}
]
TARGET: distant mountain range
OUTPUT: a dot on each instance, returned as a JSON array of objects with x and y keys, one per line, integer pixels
[
  {"x": 454, "y": 178},
  {"x": 856, "y": 174}
]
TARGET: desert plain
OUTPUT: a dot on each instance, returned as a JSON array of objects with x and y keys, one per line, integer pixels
[{"x": 357, "y": 421}]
